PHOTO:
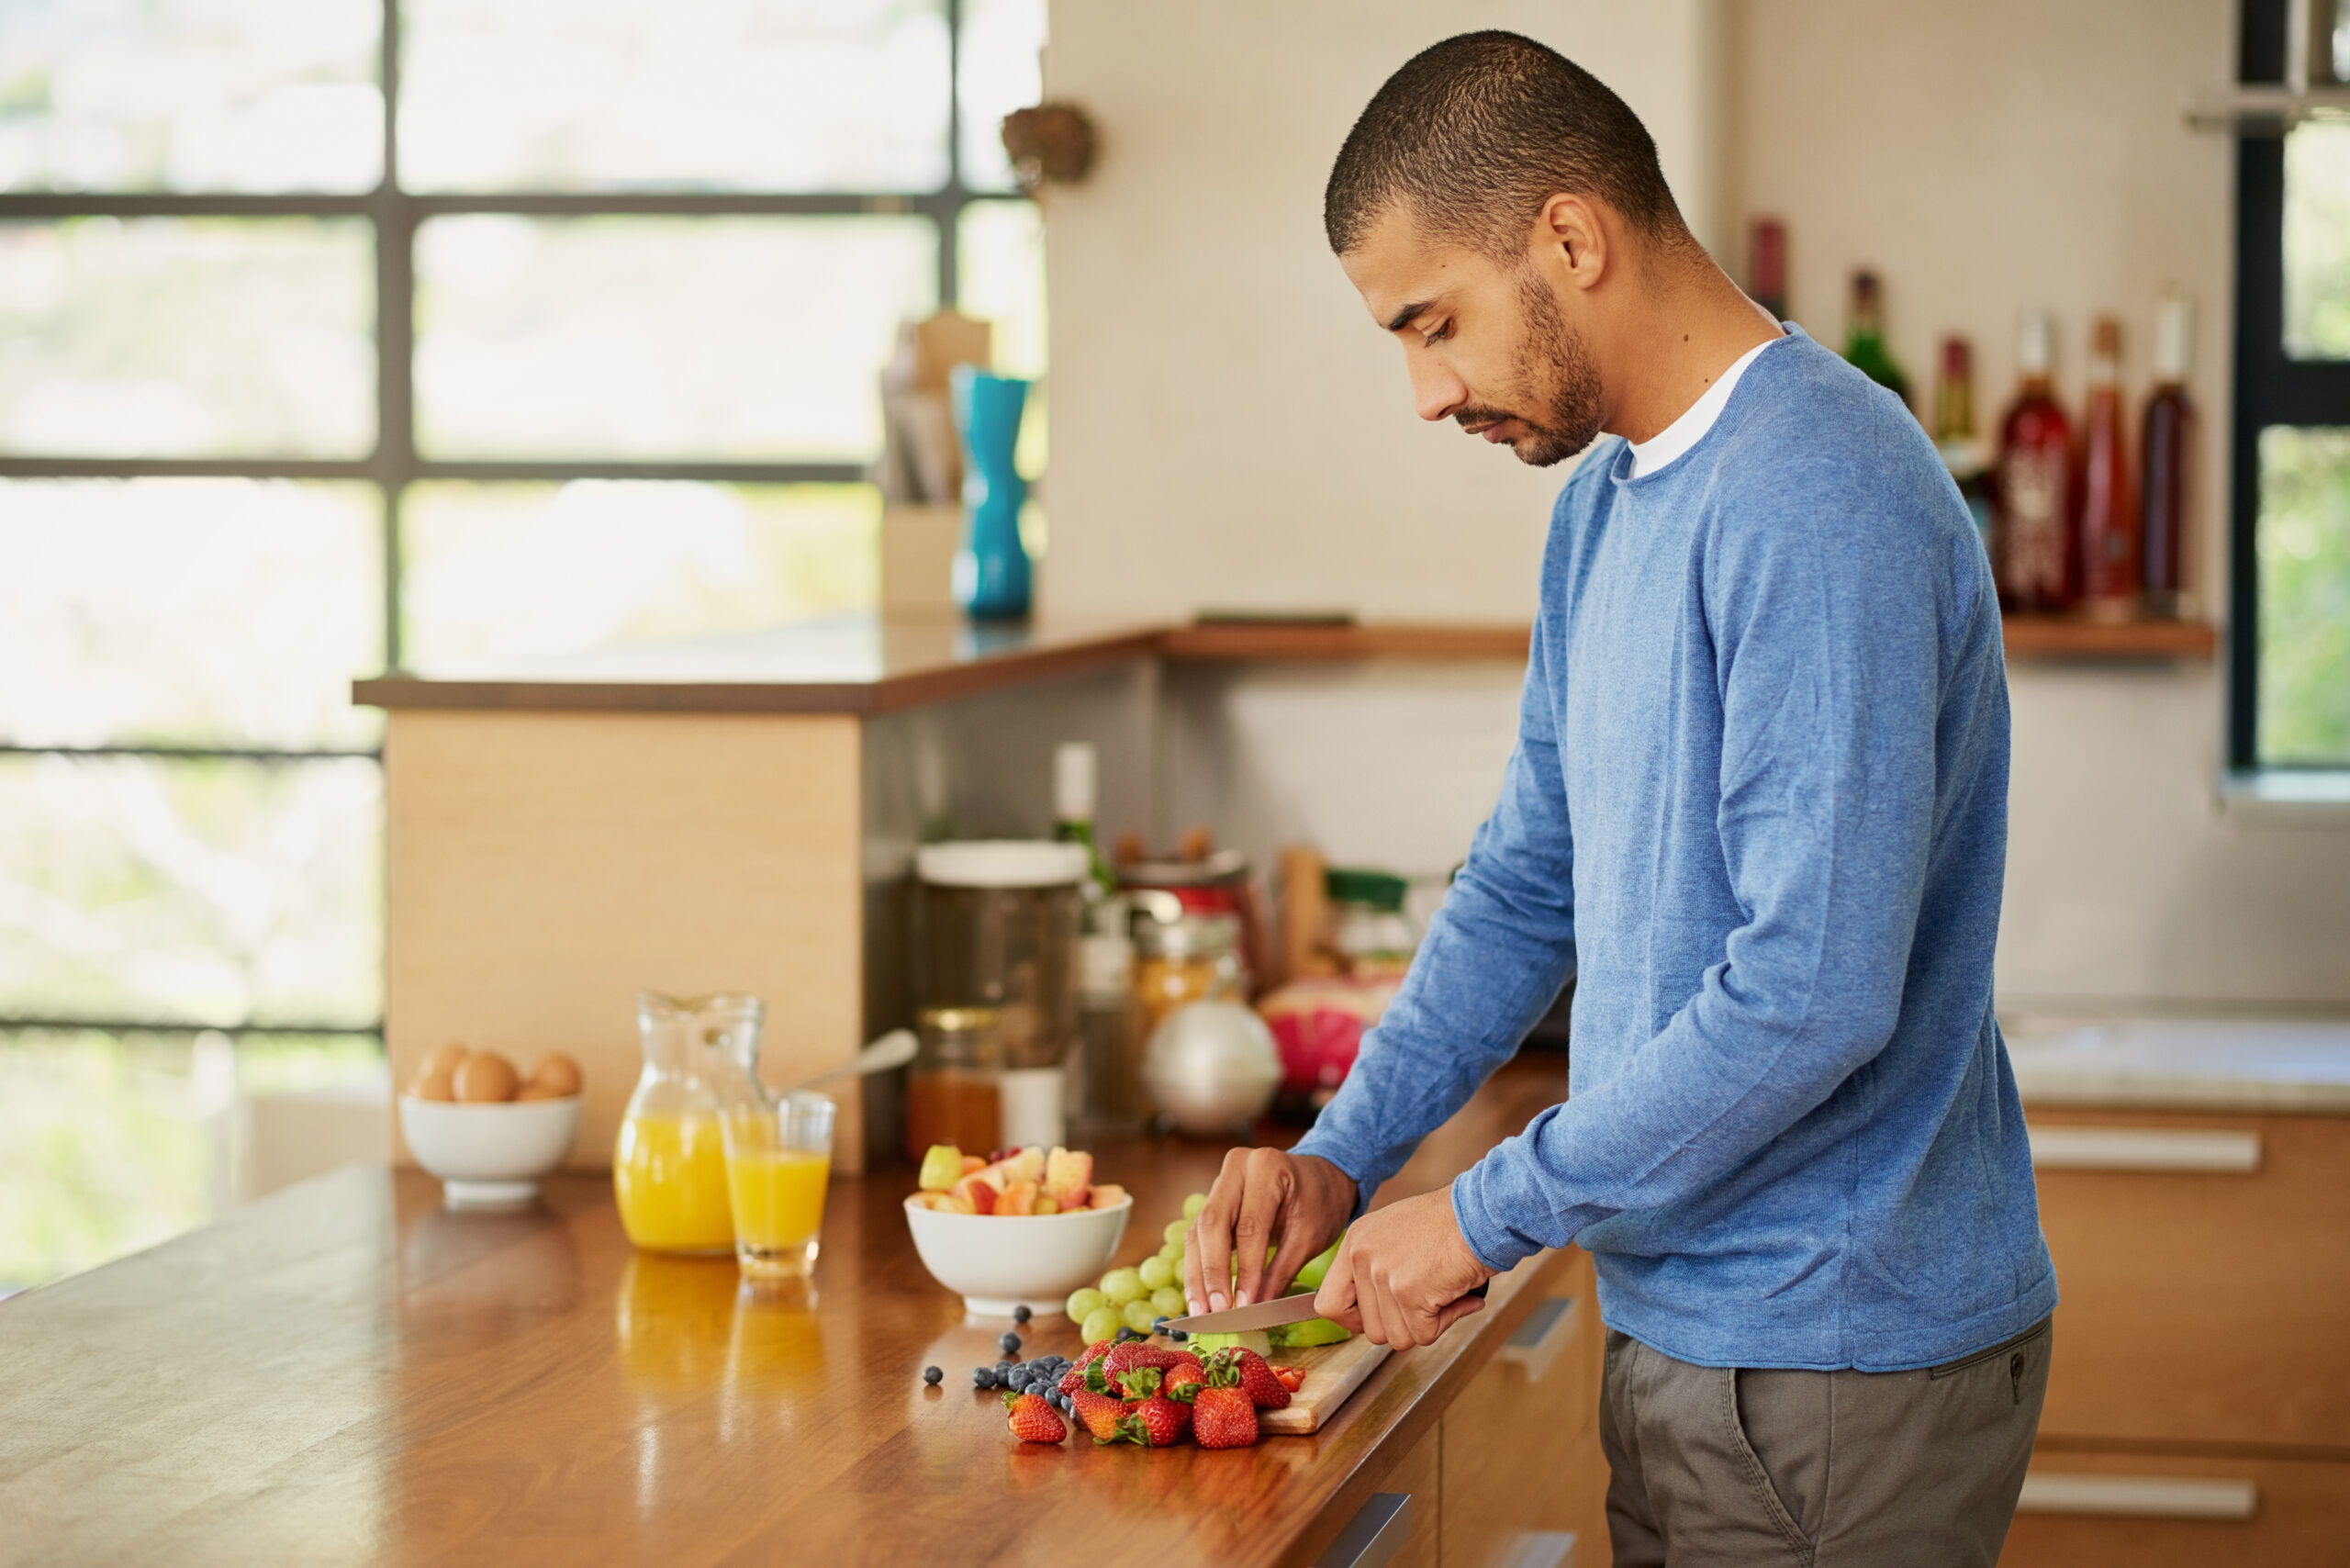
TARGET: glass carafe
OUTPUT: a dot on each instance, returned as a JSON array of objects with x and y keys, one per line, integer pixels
[{"x": 702, "y": 1057}]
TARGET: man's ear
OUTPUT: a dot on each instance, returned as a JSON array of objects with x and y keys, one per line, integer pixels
[{"x": 1572, "y": 235}]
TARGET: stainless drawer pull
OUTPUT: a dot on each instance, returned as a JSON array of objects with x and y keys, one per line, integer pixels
[
  {"x": 1373, "y": 1536},
  {"x": 2142, "y": 1148},
  {"x": 1537, "y": 1342},
  {"x": 2139, "y": 1497}
]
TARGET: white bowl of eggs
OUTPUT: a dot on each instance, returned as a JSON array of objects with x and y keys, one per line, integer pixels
[{"x": 488, "y": 1131}]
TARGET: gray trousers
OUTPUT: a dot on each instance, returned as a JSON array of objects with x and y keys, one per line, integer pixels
[{"x": 1722, "y": 1465}]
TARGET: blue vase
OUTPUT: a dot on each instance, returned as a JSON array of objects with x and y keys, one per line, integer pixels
[{"x": 992, "y": 567}]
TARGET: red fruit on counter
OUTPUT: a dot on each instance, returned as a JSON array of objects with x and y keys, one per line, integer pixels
[
  {"x": 1157, "y": 1422},
  {"x": 1032, "y": 1420},
  {"x": 1256, "y": 1375},
  {"x": 1186, "y": 1373},
  {"x": 1224, "y": 1418},
  {"x": 1125, "y": 1358},
  {"x": 1291, "y": 1377},
  {"x": 1098, "y": 1414}
]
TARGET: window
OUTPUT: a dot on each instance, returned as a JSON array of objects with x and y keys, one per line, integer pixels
[
  {"x": 340, "y": 335},
  {"x": 2289, "y": 563}
]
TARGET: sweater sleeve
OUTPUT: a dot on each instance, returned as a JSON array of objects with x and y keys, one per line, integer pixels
[
  {"x": 1826, "y": 657},
  {"x": 1492, "y": 961}
]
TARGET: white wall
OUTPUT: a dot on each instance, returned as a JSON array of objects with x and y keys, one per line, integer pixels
[{"x": 1229, "y": 428}]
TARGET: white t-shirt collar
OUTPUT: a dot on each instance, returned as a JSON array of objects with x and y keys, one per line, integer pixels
[{"x": 1686, "y": 431}]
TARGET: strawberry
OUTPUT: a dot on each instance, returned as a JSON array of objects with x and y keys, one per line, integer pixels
[
  {"x": 1137, "y": 1353},
  {"x": 1157, "y": 1422},
  {"x": 1098, "y": 1414},
  {"x": 1291, "y": 1377},
  {"x": 1032, "y": 1420},
  {"x": 1185, "y": 1374},
  {"x": 1224, "y": 1418},
  {"x": 1265, "y": 1391},
  {"x": 1074, "y": 1379}
]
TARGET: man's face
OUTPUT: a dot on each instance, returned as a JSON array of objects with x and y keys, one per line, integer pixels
[{"x": 1486, "y": 345}]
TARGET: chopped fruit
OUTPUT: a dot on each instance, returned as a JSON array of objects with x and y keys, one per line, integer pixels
[
  {"x": 1068, "y": 1177},
  {"x": 1168, "y": 1302},
  {"x": 938, "y": 1200},
  {"x": 1157, "y": 1422},
  {"x": 1103, "y": 1323},
  {"x": 1313, "y": 1331},
  {"x": 1256, "y": 1376},
  {"x": 933, "y": 1376},
  {"x": 1021, "y": 1165},
  {"x": 973, "y": 1164},
  {"x": 940, "y": 1168},
  {"x": 1018, "y": 1198},
  {"x": 1250, "y": 1340},
  {"x": 1292, "y": 1378},
  {"x": 977, "y": 1192},
  {"x": 1099, "y": 1414},
  {"x": 1083, "y": 1304},
  {"x": 1108, "y": 1196},
  {"x": 1140, "y": 1315},
  {"x": 1046, "y": 1206},
  {"x": 1223, "y": 1418},
  {"x": 1123, "y": 1285},
  {"x": 1032, "y": 1420},
  {"x": 1194, "y": 1204},
  {"x": 1156, "y": 1273}
]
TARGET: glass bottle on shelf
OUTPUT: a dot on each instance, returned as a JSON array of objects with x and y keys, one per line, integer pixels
[
  {"x": 2037, "y": 558},
  {"x": 1865, "y": 337},
  {"x": 2106, "y": 514},
  {"x": 1076, "y": 791},
  {"x": 2169, "y": 430},
  {"x": 1969, "y": 465}
]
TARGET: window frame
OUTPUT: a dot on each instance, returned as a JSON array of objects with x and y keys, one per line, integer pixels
[
  {"x": 395, "y": 464},
  {"x": 2270, "y": 388}
]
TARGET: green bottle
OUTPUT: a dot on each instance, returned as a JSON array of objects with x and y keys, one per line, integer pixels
[{"x": 1865, "y": 338}]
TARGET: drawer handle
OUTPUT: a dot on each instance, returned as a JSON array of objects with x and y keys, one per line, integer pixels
[
  {"x": 1538, "y": 1341},
  {"x": 1373, "y": 1536},
  {"x": 2138, "y": 1496},
  {"x": 2142, "y": 1148}
]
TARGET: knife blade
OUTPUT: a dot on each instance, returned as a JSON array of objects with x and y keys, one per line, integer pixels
[{"x": 1295, "y": 1307}]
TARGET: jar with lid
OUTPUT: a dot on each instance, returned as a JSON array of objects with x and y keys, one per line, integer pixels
[
  {"x": 954, "y": 1089},
  {"x": 995, "y": 928},
  {"x": 1368, "y": 929},
  {"x": 1182, "y": 956}
]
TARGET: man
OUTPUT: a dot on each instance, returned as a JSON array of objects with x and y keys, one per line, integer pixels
[{"x": 1757, "y": 811}]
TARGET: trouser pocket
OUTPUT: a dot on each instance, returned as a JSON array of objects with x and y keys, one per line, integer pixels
[{"x": 1781, "y": 1511}]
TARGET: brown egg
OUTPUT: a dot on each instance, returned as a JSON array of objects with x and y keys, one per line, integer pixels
[
  {"x": 486, "y": 1077},
  {"x": 445, "y": 1059},
  {"x": 556, "y": 1074},
  {"x": 431, "y": 1085},
  {"x": 536, "y": 1091}
]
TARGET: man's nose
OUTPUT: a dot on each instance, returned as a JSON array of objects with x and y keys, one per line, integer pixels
[{"x": 1436, "y": 391}]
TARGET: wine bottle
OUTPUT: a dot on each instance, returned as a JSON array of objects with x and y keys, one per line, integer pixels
[
  {"x": 2169, "y": 430},
  {"x": 1865, "y": 338},
  {"x": 1954, "y": 433},
  {"x": 2037, "y": 561},
  {"x": 2106, "y": 514},
  {"x": 1075, "y": 785},
  {"x": 1770, "y": 277}
]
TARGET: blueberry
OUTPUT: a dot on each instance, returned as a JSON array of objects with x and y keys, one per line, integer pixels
[
  {"x": 1178, "y": 1335},
  {"x": 1126, "y": 1334},
  {"x": 1005, "y": 1365},
  {"x": 1158, "y": 1323},
  {"x": 931, "y": 1376},
  {"x": 1021, "y": 1314},
  {"x": 983, "y": 1377},
  {"x": 1010, "y": 1343}
]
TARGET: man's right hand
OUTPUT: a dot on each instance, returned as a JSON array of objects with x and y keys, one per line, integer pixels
[{"x": 1262, "y": 1197}]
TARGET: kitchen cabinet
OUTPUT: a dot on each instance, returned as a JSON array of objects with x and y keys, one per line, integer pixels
[{"x": 2085, "y": 1508}]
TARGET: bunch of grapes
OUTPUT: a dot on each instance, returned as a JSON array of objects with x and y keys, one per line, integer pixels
[{"x": 1138, "y": 1296}]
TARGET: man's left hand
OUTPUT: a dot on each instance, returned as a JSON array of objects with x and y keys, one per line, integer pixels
[{"x": 1404, "y": 1274}]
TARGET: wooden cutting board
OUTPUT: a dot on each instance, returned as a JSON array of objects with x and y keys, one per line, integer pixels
[{"x": 1332, "y": 1372}]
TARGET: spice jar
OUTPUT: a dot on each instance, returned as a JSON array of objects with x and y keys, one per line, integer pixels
[
  {"x": 1190, "y": 958},
  {"x": 954, "y": 1091}
]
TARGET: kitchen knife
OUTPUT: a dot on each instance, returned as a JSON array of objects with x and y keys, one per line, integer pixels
[{"x": 1294, "y": 1308}]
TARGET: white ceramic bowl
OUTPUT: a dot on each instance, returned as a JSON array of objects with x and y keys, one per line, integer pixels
[
  {"x": 489, "y": 1154},
  {"x": 997, "y": 1262}
]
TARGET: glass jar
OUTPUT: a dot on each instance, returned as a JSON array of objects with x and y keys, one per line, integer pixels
[
  {"x": 1368, "y": 927},
  {"x": 1189, "y": 957},
  {"x": 996, "y": 926},
  {"x": 1106, "y": 1094},
  {"x": 702, "y": 1057},
  {"x": 954, "y": 1091}
]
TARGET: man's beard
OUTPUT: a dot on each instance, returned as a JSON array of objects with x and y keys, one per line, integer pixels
[{"x": 1554, "y": 373}]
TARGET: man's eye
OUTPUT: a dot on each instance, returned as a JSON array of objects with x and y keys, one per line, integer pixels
[{"x": 1430, "y": 338}]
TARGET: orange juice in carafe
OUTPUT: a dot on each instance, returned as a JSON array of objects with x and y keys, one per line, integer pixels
[
  {"x": 669, "y": 1162},
  {"x": 669, "y": 1173}
]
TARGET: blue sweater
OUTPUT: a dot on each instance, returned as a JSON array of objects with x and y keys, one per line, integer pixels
[{"x": 1758, "y": 810}]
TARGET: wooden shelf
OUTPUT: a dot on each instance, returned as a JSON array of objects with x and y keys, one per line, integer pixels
[
  {"x": 1215, "y": 640},
  {"x": 2063, "y": 637}
]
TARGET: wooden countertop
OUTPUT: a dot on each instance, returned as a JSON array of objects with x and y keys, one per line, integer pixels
[{"x": 348, "y": 1372}]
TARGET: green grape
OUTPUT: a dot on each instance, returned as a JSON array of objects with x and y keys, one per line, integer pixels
[
  {"x": 1084, "y": 1302},
  {"x": 1194, "y": 1203},
  {"x": 1175, "y": 1230},
  {"x": 1170, "y": 1303},
  {"x": 1174, "y": 1255},
  {"x": 1101, "y": 1323},
  {"x": 1124, "y": 1286},
  {"x": 1139, "y": 1313},
  {"x": 1157, "y": 1274}
]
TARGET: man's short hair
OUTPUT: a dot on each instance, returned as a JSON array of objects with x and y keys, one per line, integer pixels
[{"x": 1475, "y": 133}]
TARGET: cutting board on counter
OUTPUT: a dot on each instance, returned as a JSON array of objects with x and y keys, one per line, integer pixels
[{"x": 1332, "y": 1373}]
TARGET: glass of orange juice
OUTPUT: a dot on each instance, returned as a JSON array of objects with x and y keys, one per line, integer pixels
[{"x": 776, "y": 1158}]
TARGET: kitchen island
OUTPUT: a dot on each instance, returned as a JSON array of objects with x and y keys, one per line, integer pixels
[{"x": 348, "y": 1372}]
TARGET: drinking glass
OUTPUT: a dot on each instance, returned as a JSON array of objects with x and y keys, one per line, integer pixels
[{"x": 778, "y": 1157}]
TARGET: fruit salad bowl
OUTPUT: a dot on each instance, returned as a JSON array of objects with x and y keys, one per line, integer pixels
[{"x": 996, "y": 1262}]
